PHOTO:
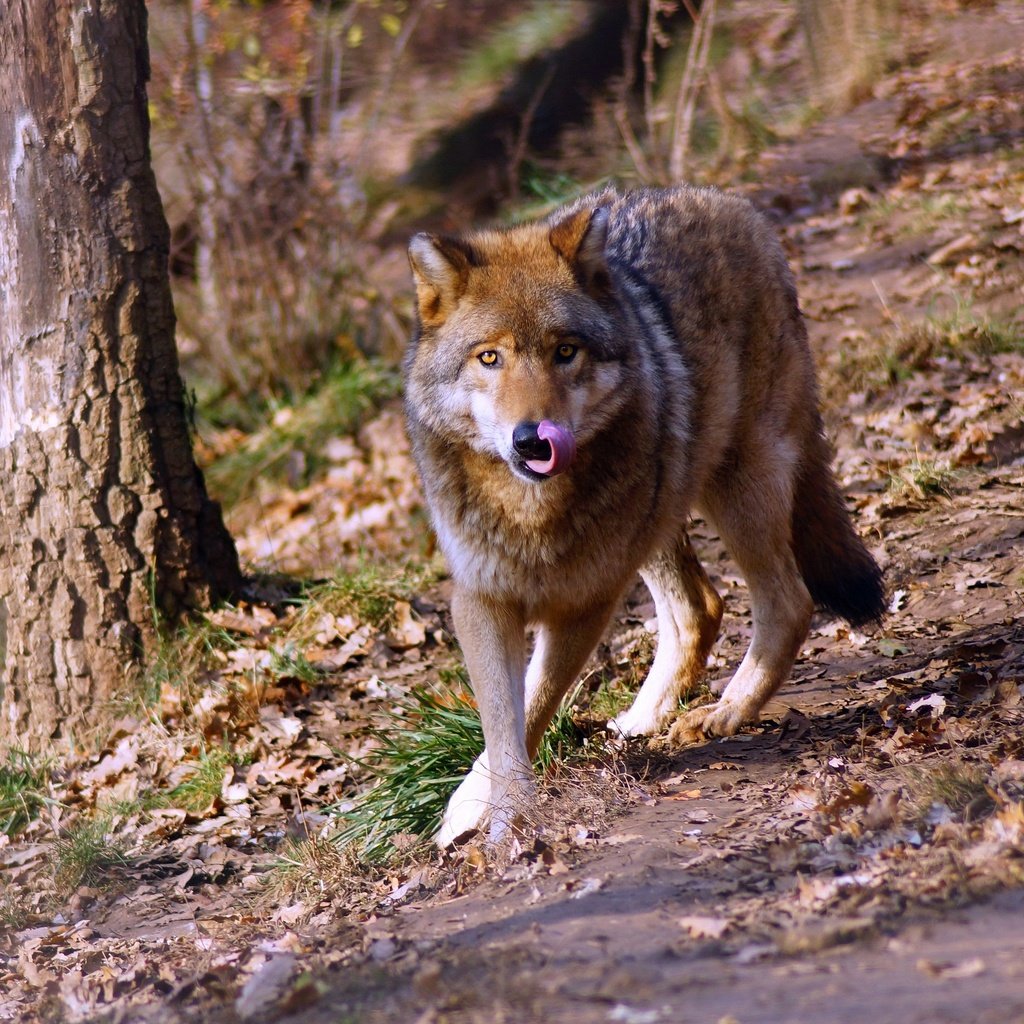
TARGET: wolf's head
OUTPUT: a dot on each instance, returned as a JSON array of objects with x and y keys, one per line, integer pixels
[{"x": 521, "y": 350}]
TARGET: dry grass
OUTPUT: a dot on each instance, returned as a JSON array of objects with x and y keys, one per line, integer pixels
[
  {"x": 312, "y": 869},
  {"x": 910, "y": 346},
  {"x": 578, "y": 798},
  {"x": 922, "y": 479},
  {"x": 954, "y": 787}
]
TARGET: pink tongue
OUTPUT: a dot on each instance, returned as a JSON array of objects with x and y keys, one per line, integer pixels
[{"x": 563, "y": 449}]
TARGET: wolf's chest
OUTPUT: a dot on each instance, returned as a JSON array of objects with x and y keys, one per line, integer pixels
[{"x": 568, "y": 559}]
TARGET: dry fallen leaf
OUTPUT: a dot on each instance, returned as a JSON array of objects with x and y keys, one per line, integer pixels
[
  {"x": 585, "y": 887},
  {"x": 935, "y": 701},
  {"x": 619, "y": 838},
  {"x": 267, "y": 986},
  {"x": 474, "y": 857},
  {"x": 965, "y": 969},
  {"x": 701, "y": 927},
  {"x": 112, "y": 765},
  {"x": 405, "y": 631},
  {"x": 686, "y": 794}
]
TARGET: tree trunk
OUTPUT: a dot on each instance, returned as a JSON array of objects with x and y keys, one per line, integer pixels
[{"x": 103, "y": 512}]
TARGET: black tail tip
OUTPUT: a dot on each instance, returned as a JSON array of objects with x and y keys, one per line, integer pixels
[{"x": 859, "y": 597}]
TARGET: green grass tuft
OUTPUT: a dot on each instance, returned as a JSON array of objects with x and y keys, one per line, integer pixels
[
  {"x": 913, "y": 346},
  {"x": 288, "y": 662},
  {"x": 418, "y": 765},
  {"x": 563, "y": 739},
  {"x": 543, "y": 188},
  {"x": 915, "y": 214},
  {"x": 961, "y": 332},
  {"x": 922, "y": 479},
  {"x": 87, "y": 853},
  {"x": 200, "y": 789},
  {"x": 181, "y": 656},
  {"x": 368, "y": 595},
  {"x": 961, "y": 788},
  {"x": 22, "y": 791},
  {"x": 15, "y": 908},
  {"x": 612, "y": 696},
  {"x": 965, "y": 330}
]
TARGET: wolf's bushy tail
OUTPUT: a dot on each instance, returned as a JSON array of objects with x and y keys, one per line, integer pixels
[{"x": 839, "y": 571}]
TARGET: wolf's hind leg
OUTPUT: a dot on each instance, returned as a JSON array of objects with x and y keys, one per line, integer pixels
[
  {"x": 753, "y": 518},
  {"x": 689, "y": 614}
]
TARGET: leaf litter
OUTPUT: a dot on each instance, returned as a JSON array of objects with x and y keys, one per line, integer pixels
[{"x": 885, "y": 782}]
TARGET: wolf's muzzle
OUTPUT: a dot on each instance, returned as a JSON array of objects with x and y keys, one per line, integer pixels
[
  {"x": 529, "y": 444},
  {"x": 545, "y": 449}
]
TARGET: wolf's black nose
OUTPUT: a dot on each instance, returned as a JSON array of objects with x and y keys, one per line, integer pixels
[{"x": 528, "y": 443}]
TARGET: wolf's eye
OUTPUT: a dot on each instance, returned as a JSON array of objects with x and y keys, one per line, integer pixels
[
  {"x": 488, "y": 358},
  {"x": 565, "y": 353}
]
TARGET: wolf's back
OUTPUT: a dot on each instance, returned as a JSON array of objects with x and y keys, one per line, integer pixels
[
  {"x": 701, "y": 249},
  {"x": 725, "y": 283}
]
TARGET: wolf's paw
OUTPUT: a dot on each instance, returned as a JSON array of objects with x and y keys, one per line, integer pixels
[
  {"x": 722, "y": 718},
  {"x": 468, "y": 809},
  {"x": 635, "y": 722}
]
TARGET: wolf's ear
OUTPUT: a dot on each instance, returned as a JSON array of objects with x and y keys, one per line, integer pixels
[
  {"x": 440, "y": 267},
  {"x": 580, "y": 239}
]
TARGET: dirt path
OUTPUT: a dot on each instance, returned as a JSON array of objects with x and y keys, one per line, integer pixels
[
  {"x": 564, "y": 966},
  {"x": 803, "y": 872}
]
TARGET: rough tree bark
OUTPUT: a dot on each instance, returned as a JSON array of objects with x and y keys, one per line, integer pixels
[{"x": 101, "y": 503}]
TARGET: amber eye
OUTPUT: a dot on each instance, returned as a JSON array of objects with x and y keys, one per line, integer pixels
[
  {"x": 565, "y": 353},
  {"x": 488, "y": 358}
]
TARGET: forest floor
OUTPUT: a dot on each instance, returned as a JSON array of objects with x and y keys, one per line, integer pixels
[{"x": 859, "y": 853}]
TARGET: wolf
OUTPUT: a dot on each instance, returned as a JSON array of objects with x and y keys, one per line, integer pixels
[{"x": 578, "y": 386}]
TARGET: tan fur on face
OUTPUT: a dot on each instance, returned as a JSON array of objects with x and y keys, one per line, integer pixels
[{"x": 522, "y": 303}]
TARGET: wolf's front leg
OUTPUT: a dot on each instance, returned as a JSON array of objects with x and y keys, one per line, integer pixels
[
  {"x": 563, "y": 644},
  {"x": 500, "y": 785}
]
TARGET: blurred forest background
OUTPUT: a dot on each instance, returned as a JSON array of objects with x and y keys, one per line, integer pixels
[{"x": 298, "y": 144}]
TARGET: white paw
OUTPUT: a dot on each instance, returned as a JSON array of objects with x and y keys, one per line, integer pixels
[
  {"x": 638, "y": 721},
  {"x": 469, "y": 807}
]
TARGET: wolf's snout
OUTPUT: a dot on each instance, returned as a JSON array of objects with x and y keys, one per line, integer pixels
[
  {"x": 547, "y": 448},
  {"x": 528, "y": 443}
]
